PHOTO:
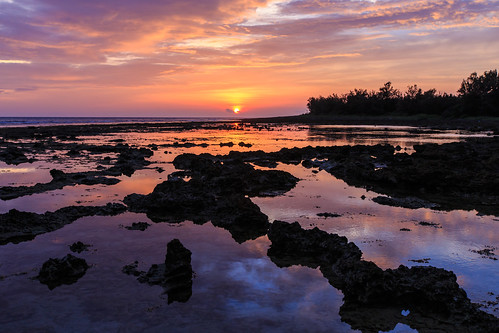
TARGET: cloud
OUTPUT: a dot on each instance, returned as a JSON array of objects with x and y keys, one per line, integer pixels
[
  {"x": 242, "y": 44},
  {"x": 14, "y": 61}
]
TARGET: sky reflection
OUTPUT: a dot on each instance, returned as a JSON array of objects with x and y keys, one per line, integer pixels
[{"x": 234, "y": 283}]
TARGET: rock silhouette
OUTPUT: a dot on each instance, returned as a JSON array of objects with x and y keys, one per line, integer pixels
[
  {"x": 17, "y": 226},
  {"x": 174, "y": 275},
  {"x": 374, "y": 298},
  {"x": 216, "y": 192},
  {"x": 67, "y": 270}
]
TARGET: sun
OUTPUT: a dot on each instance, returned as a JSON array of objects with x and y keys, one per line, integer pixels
[{"x": 237, "y": 109}]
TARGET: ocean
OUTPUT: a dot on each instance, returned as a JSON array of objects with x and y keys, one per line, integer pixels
[{"x": 48, "y": 121}]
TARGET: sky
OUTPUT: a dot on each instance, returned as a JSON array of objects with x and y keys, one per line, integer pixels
[{"x": 204, "y": 58}]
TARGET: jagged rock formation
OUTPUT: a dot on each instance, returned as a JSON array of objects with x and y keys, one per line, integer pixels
[
  {"x": 374, "y": 298},
  {"x": 174, "y": 275},
  {"x": 17, "y": 226},
  {"x": 67, "y": 270},
  {"x": 216, "y": 192},
  {"x": 129, "y": 160}
]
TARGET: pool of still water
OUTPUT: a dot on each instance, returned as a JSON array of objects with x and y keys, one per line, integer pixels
[{"x": 236, "y": 286}]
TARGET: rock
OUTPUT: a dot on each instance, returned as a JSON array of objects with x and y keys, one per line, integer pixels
[
  {"x": 374, "y": 298},
  {"x": 217, "y": 192},
  {"x": 79, "y": 247},
  {"x": 56, "y": 272},
  {"x": 429, "y": 224},
  {"x": 421, "y": 261},
  {"x": 73, "y": 152},
  {"x": 13, "y": 155},
  {"x": 291, "y": 245},
  {"x": 408, "y": 202},
  {"x": 326, "y": 215},
  {"x": 435, "y": 176},
  {"x": 16, "y": 226},
  {"x": 58, "y": 175},
  {"x": 247, "y": 145},
  {"x": 131, "y": 269},
  {"x": 487, "y": 252},
  {"x": 138, "y": 226},
  {"x": 129, "y": 160},
  {"x": 174, "y": 275}
]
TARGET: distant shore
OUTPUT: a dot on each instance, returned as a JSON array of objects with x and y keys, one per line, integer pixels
[
  {"x": 89, "y": 129},
  {"x": 472, "y": 124}
]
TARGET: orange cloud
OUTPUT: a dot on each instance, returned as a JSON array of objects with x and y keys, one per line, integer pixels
[{"x": 210, "y": 55}]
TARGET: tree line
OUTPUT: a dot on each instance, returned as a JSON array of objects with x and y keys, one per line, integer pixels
[{"x": 477, "y": 96}]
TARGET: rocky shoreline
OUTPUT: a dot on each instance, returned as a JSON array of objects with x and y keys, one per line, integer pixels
[
  {"x": 218, "y": 189},
  {"x": 431, "y": 295}
]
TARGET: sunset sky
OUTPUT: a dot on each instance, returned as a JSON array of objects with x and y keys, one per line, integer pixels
[{"x": 206, "y": 57}]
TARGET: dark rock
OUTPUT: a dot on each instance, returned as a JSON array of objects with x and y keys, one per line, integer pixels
[
  {"x": 58, "y": 175},
  {"x": 408, "y": 202},
  {"x": 429, "y": 224},
  {"x": 326, "y": 215},
  {"x": 16, "y": 226},
  {"x": 374, "y": 298},
  {"x": 73, "y": 152},
  {"x": 174, "y": 275},
  {"x": 13, "y": 155},
  {"x": 226, "y": 144},
  {"x": 421, "y": 261},
  {"x": 247, "y": 145},
  {"x": 129, "y": 160},
  {"x": 217, "y": 192},
  {"x": 131, "y": 269},
  {"x": 266, "y": 163},
  {"x": 487, "y": 252},
  {"x": 405, "y": 229},
  {"x": 435, "y": 176},
  {"x": 293, "y": 245},
  {"x": 138, "y": 226},
  {"x": 79, "y": 247},
  {"x": 68, "y": 270}
]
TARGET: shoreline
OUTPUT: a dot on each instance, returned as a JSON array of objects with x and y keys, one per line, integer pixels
[{"x": 469, "y": 124}]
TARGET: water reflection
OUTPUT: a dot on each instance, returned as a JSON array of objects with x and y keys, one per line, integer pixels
[
  {"x": 234, "y": 283},
  {"x": 404, "y": 136}
]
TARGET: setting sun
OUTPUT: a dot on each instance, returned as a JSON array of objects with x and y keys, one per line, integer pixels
[{"x": 237, "y": 109}]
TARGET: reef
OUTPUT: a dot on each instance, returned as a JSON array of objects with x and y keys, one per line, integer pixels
[
  {"x": 67, "y": 270},
  {"x": 374, "y": 298},
  {"x": 14, "y": 155},
  {"x": 141, "y": 226},
  {"x": 174, "y": 275},
  {"x": 434, "y": 176},
  {"x": 217, "y": 192},
  {"x": 129, "y": 160},
  {"x": 79, "y": 247},
  {"x": 17, "y": 226}
]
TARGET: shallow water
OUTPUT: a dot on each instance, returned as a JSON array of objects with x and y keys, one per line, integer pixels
[{"x": 236, "y": 286}]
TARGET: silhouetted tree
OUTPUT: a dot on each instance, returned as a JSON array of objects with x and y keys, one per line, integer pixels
[
  {"x": 478, "y": 95},
  {"x": 480, "y": 85},
  {"x": 413, "y": 92},
  {"x": 388, "y": 92}
]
